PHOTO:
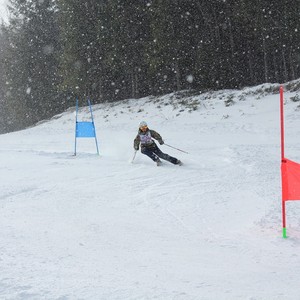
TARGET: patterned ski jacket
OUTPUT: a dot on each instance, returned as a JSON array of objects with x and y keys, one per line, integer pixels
[{"x": 145, "y": 139}]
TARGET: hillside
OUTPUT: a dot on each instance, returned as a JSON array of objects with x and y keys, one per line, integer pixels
[{"x": 100, "y": 227}]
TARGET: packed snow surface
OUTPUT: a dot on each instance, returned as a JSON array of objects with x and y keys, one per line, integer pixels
[{"x": 101, "y": 227}]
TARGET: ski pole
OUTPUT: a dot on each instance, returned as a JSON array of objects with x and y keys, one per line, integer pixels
[
  {"x": 135, "y": 151},
  {"x": 176, "y": 148}
]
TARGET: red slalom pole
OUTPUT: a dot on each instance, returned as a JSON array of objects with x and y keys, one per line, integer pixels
[
  {"x": 282, "y": 123},
  {"x": 283, "y": 220},
  {"x": 283, "y": 161}
]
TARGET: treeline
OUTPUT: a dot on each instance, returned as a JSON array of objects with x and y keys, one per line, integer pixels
[{"x": 52, "y": 51}]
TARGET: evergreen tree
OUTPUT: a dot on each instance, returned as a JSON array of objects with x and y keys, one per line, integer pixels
[
  {"x": 114, "y": 49},
  {"x": 31, "y": 64}
]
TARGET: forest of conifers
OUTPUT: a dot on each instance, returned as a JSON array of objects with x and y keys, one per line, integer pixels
[{"x": 52, "y": 51}]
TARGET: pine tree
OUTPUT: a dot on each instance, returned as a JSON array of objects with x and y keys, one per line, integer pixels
[{"x": 31, "y": 63}]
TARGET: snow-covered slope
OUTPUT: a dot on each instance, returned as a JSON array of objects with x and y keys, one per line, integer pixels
[{"x": 100, "y": 227}]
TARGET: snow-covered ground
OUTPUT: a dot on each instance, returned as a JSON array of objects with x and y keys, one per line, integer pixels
[{"x": 100, "y": 227}]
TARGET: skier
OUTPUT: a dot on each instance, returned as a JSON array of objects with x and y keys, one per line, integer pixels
[{"x": 148, "y": 146}]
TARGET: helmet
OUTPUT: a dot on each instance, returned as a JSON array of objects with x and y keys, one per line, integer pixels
[{"x": 143, "y": 124}]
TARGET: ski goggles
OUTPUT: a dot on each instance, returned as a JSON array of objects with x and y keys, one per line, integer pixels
[{"x": 144, "y": 128}]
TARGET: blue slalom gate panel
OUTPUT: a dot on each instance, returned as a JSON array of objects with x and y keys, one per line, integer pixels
[{"x": 85, "y": 129}]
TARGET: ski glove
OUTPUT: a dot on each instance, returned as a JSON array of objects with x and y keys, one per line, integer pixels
[
  {"x": 161, "y": 142},
  {"x": 136, "y": 148}
]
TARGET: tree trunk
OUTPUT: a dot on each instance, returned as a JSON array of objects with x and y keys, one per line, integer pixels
[
  {"x": 265, "y": 61},
  {"x": 285, "y": 72},
  {"x": 250, "y": 62},
  {"x": 177, "y": 76},
  {"x": 292, "y": 65}
]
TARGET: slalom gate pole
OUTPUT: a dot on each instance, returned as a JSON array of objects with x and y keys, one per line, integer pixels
[
  {"x": 176, "y": 148},
  {"x": 283, "y": 221},
  {"x": 282, "y": 161},
  {"x": 91, "y": 111},
  {"x": 76, "y": 126},
  {"x": 281, "y": 123}
]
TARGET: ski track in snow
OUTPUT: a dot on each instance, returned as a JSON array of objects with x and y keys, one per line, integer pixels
[{"x": 100, "y": 227}]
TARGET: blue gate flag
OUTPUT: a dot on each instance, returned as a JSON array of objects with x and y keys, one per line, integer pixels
[{"x": 85, "y": 129}]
